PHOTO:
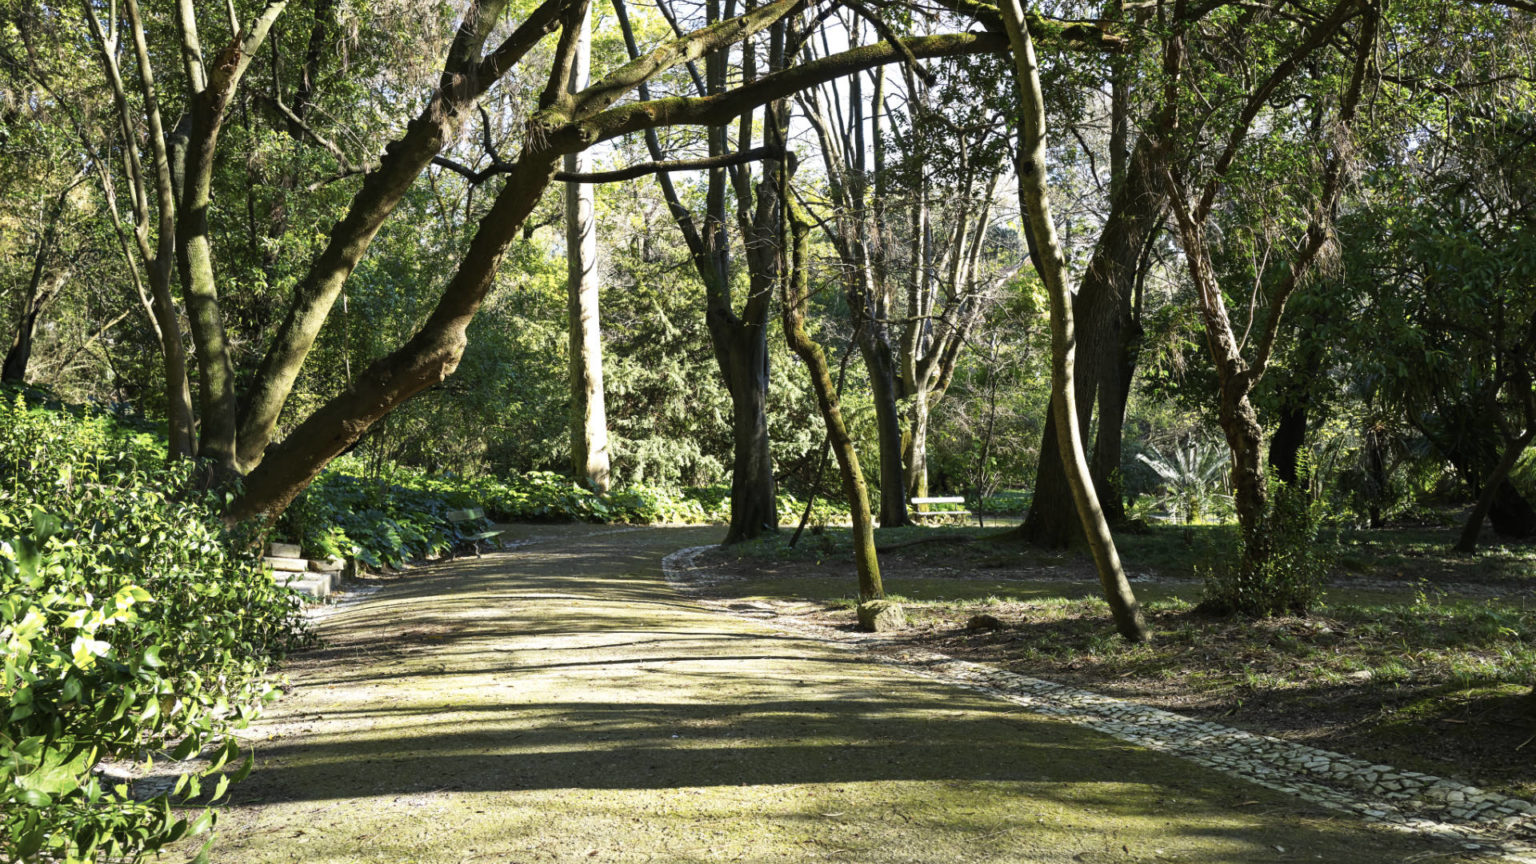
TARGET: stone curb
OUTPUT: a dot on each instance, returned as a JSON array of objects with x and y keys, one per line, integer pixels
[{"x": 1475, "y": 820}]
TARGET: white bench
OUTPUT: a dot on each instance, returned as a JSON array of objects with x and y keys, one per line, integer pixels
[
  {"x": 474, "y": 514},
  {"x": 918, "y": 513}
]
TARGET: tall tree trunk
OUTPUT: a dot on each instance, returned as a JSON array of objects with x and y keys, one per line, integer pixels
[
  {"x": 42, "y": 288},
  {"x": 157, "y": 260},
  {"x": 754, "y": 502},
  {"x": 1034, "y": 200},
  {"x": 883, "y": 385},
  {"x": 1108, "y": 352},
  {"x": 589, "y": 420},
  {"x": 855, "y": 493},
  {"x": 210, "y": 90}
]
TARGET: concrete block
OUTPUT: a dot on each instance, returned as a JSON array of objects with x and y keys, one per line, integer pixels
[
  {"x": 303, "y": 582},
  {"x": 287, "y": 564},
  {"x": 284, "y": 550}
]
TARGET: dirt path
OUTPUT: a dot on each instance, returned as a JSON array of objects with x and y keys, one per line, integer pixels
[{"x": 562, "y": 703}]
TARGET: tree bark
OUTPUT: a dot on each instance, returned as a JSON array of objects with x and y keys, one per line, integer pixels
[
  {"x": 466, "y": 76},
  {"x": 426, "y": 359},
  {"x": 209, "y": 93},
  {"x": 589, "y": 420},
  {"x": 881, "y": 367},
  {"x": 855, "y": 493},
  {"x": 42, "y": 289},
  {"x": 1107, "y": 354},
  {"x": 158, "y": 260},
  {"x": 754, "y": 499},
  {"x": 1034, "y": 200}
]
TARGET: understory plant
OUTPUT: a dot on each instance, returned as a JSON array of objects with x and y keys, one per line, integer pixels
[
  {"x": 1281, "y": 566},
  {"x": 132, "y": 629}
]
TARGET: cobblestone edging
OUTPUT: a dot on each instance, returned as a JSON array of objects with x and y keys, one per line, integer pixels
[{"x": 1475, "y": 820}]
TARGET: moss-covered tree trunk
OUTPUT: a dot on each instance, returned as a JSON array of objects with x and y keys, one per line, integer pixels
[
  {"x": 855, "y": 493},
  {"x": 1034, "y": 200}
]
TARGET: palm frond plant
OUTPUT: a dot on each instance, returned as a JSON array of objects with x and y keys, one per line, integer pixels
[{"x": 1195, "y": 478}]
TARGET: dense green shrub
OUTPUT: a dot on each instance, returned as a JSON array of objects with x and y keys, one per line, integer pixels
[
  {"x": 402, "y": 513},
  {"x": 129, "y": 627},
  {"x": 1281, "y": 567}
]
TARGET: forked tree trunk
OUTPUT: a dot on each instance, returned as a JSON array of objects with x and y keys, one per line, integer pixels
[
  {"x": 427, "y": 359},
  {"x": 1034, "y": 200},
  {"x": 589, "y": 418},
  {"x": 855, "y": 493}
]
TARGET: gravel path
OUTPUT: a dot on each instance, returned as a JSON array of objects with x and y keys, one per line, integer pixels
[{"x": 562, "y": 702}]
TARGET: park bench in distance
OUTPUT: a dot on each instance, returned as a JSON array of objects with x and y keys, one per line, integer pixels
[
  {"x": 473, "y": 514},
  {"x": 918, "y": 514}
]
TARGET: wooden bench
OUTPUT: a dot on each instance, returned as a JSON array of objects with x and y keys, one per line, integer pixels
[
  {"x": 918, "y": 514},
  {"x": 474, "y": 514}
]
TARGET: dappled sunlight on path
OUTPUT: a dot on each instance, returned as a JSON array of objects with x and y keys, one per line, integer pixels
[{"x": 561, "y": 703}]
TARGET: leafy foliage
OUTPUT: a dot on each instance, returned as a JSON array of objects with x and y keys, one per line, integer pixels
[
  {"x": 130, "y": 627},
  {"x": 1279, "y": 568},
  {"x": 1193, "y": 478}
]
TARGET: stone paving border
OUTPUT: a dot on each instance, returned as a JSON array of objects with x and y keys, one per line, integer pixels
[{"x": 1475, "y": 820}]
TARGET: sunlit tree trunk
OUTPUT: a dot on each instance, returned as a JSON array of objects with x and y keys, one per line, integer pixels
[
  {"x": 589, "y": 420},
  {"x": 1034, "y": 200},
  {"x": 855, "y": 492}
]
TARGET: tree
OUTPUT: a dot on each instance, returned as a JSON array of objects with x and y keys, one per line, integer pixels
[
  {"x": 589, "y": 419},
  {"x": 859, "y": 234},
  {"x": 1238, "y": 373},
  {"x": 1108, "y": 304},
  {"x": 795, "y": 290},
  {"x": 1045, "y": 252},
  {"x": 47, "y": 281},
  {"x": 564, "y": 123}
]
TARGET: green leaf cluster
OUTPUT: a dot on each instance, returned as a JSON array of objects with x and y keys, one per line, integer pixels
[{"x": 130, "y": 629}]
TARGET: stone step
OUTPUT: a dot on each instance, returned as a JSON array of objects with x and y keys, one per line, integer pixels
[
  {"x": 284, "y": 550},
  {"x": 327, "y": 565},
  {"x": 315, "y": 585},
  {"x": 294, "y": 564},
  {"x": 330, "y": 577}
]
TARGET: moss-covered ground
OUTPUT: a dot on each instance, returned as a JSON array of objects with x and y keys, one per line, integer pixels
[{"x": 560, "y": 702}]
